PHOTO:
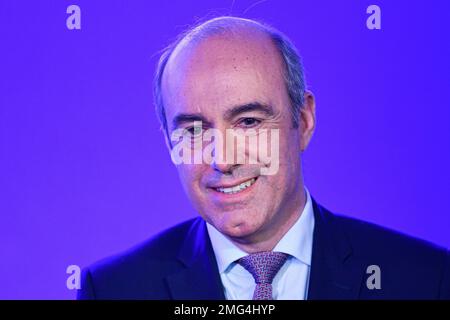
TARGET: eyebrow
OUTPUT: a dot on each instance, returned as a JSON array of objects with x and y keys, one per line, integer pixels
[
  {"x": 182, "y": 118},
  {"x": 249, "y": 107}
]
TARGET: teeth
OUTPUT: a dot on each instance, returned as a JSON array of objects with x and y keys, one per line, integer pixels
[{"x": 238, "y": 188}]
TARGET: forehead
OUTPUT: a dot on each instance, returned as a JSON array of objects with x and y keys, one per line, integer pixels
[{"x": 223, "y": 71}]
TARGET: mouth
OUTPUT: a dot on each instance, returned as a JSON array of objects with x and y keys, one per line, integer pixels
[{"x": 236, "y": 188}]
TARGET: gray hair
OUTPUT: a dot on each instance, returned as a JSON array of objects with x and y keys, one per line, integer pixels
[{"x": 293, "y": 68}]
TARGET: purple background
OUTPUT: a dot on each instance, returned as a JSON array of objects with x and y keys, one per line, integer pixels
[{"x": 84, "y": 170}]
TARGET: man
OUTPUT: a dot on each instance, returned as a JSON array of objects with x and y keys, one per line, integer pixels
[{"x": 260, "y": 236}]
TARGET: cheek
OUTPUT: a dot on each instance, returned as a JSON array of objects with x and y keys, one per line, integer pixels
[
  {"x": 289, "y": 171},
  {"x": 190, "y": 177},
  {"x": 290, "y": 149}
]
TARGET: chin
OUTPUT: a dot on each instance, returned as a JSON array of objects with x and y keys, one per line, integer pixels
[{"x": 238, "y": 228}]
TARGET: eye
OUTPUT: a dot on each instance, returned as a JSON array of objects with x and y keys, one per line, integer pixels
[
  {"x": 195, "y": 131},
  {"x": 249, "y": 122}
]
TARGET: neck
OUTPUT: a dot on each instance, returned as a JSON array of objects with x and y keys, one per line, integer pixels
[{"x": 268, "y": 236}]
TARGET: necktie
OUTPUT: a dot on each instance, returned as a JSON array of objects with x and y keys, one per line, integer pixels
[{"x": 263, "y": 266}]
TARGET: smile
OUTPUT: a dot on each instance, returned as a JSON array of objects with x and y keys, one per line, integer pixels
[{"x": 238, "y": 188}]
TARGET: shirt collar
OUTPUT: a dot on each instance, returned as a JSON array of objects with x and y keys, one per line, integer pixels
[{"x": 297, "y": 242}]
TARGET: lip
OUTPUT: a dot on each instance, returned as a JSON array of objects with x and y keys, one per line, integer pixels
[
  {"x": 220, "y": 196},
  {"x": 230, "y": 184}
]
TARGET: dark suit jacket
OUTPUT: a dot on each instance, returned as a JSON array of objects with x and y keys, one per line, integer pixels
[{"x": 180, "y": 264}]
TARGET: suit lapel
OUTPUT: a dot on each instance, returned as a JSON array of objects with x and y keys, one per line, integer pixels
[
  {"x": 200, "y": 278},
  {"x": 335, "y": 272}
]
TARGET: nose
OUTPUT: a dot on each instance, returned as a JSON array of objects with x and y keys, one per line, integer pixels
[
  {"x": 223, "y": 168},
  {"x": 220, "y": 157}
]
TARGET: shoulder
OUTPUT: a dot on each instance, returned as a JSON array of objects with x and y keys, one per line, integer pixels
[
  {"x": 409, "y": 266},
  {"x": 372, "y": 240},
  {"x": 133, "y": 272},
  {"x": 163, "y": 246}
]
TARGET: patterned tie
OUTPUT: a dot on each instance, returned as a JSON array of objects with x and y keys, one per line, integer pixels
[{"x": 263, "y": 266}]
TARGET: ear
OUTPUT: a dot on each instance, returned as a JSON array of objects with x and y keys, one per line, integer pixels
[{"x": 307, "y": 120}]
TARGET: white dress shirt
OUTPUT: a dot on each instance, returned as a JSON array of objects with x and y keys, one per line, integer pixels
[{"x": 291, "y": 282}]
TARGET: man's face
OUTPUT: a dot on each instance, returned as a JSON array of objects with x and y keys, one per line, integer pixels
[{"x": 210, "y": 82}]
